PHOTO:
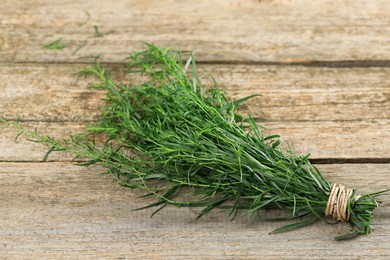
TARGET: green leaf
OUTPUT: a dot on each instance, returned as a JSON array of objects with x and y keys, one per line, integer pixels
[
  {"x": 56, "y": 45},
  {"x": 237, "y": 102},
  {"x": 348, "y": 236},
  {"x": 293, "y": 226}
]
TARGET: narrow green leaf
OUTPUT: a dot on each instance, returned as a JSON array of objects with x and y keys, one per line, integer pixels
[
  {"x": 56, "y": 45},
  {"x": 294, "y": 226},
  {"x": 348, "y": 236},
  {"x": 237, "y": 102}
]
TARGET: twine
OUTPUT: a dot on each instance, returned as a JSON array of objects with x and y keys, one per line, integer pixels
[{"x": 338, "y": 201}]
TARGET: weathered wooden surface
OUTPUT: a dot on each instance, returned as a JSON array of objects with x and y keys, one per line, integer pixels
[
  {"x": 297, "y": 101},
  {"x": 55, "y": 210},
  {"x": 323, "y": 68},
  {"x": 233, "y": 30},
  {"x": 43, "y": 92},
  {"x": 323, "y": 140}
]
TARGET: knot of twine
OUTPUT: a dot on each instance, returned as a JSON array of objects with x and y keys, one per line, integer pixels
[{"x": 338, "y": 201}]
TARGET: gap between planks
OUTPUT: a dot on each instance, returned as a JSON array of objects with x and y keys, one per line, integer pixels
[{"x": 318, "y": 63}]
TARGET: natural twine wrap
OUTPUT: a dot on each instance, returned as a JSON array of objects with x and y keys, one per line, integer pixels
[{"x": 338, "y": 201}]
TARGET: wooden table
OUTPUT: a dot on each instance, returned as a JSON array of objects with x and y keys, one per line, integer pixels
[{"x": 322, "y": 66}]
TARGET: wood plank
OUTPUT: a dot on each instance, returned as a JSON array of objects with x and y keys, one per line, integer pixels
[
  {"x": 57, "y": 210},
  {"x": 42, "y": 92},
  {"x": 323, "y": 140},
  {"x": 331, "y": 113},
  {"x": 235, "y": 30}
]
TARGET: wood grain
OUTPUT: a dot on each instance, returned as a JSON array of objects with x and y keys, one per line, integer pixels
[
  {"x": 323, "y": 140},
  {"x": 234, "y": 30},
  {"x": 57, "y": 210},
  {"x": 43, "y": 92},
  {"x": 307, "y": 106}
]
